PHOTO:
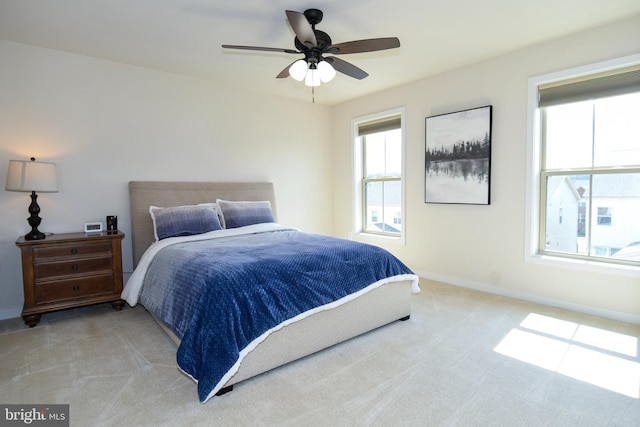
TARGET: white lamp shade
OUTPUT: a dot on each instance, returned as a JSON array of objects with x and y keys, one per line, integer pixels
[
  {"x": 25, "y": 175},
  {"x": 313, "y": 78},
  {"x": 298, "y": 70},
  {"x": 326, "y": 71}
]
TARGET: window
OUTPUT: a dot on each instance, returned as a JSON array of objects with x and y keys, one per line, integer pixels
[
  {"x": 379, "y": 173},
  {"x": 560, "y": 216},
  {"x": 604, "y": 216},
  {"x": 582, "y": 218},
  {"x": 589, "y": 166},
  {"x": 397, "y": 218}
]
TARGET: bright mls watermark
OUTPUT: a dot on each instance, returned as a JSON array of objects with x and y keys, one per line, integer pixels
[{"x": 34, "y": 415}]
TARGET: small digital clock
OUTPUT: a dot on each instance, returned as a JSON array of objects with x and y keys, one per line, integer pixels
[{"x": 93, "y": 227}]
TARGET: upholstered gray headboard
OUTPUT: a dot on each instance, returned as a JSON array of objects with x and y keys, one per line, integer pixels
[{"x": 143, "y": 194}]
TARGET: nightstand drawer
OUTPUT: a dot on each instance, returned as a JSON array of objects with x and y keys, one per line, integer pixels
[
  {"x": 79, "y": 249},
  {"x": 45, "y": 270},
  {"x": 74, "y": 288}
]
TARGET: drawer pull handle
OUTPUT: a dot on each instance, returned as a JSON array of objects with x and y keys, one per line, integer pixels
[
  {"x": 74, "y": 251},
  {"x": 74, "y": 267},
  {"x": 76, "y": 288}
]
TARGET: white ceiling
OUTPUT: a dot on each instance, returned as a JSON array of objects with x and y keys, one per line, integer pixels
[{"x": 184, "y": 36}]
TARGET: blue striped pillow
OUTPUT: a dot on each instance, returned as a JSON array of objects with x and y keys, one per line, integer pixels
[
  {"x": 184, "y": 220},
  {"x": 239, "y": 214}
]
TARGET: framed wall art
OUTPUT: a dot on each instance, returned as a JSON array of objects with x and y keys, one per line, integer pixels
[{"x": 458, "y": 157}]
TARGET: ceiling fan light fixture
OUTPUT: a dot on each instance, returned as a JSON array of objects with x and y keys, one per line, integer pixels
[
  {"x": 326, "y": 71},
  {"x": 298, "y": 70}
]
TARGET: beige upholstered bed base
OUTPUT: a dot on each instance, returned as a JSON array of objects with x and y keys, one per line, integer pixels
[{"x": 378, "y": 307}]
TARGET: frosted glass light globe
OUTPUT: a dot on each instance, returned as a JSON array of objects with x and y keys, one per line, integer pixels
[
  {"x": 326, "y": 71},
  {"x": 298, "y": 70},
  {"x": 313, "y": 78}
]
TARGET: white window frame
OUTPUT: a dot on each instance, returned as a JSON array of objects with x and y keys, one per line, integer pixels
[
  {"x": 358, "y": 231},
  {"x": 533, "y": 163}
]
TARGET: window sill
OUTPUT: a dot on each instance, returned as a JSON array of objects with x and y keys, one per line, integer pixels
[
  {"x": 584, "y": 265},
  {"x": 376, "y": 238}
]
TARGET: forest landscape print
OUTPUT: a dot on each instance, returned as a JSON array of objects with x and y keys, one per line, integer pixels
[{"x": 458, "y": 157}]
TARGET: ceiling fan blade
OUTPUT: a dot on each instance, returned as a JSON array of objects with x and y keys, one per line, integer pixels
[
  {"x": 267, "y": 49},
  {"x": 302, "y": 28},
  {"x": 368, "y": 45},
  {"x": 285, "y": 73},
  {"x": 346, "y": 68}
]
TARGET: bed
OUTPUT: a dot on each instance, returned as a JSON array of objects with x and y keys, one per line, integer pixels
[{"x": 291, "y": 335}]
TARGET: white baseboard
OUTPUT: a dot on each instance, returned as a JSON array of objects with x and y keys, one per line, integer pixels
[{"x": 537, "y": 299}]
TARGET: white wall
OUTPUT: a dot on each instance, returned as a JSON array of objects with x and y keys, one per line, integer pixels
[
  {"x": 105, "y": 123},
  {"x": 483, "y": 246}
]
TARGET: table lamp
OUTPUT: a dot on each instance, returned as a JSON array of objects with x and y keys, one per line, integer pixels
[{"x": 24, "y": 175}]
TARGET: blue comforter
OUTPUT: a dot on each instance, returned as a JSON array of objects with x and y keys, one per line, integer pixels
[{"x": 224, "y": 296}]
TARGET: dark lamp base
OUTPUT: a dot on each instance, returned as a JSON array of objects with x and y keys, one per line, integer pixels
[
  {"x": 34, "y": 235},
  {"x": 34, "y": 219}
]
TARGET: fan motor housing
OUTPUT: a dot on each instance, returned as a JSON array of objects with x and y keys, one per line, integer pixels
[{"x": 322, "y": 39}]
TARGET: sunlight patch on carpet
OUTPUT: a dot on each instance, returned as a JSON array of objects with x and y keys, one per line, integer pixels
[{"x": 603, "y": 358}]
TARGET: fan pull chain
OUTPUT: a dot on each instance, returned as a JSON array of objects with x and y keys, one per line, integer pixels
[{"x": 313, "y": 94}]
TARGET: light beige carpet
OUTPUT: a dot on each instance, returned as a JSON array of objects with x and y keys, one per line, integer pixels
[{"x": 463, "y": 359}]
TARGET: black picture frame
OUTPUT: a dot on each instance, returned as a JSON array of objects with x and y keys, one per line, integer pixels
[{"x": 457, "y": 167}]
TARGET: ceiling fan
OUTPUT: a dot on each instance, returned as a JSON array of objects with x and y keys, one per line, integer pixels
[{"x": 315, "y": 44}]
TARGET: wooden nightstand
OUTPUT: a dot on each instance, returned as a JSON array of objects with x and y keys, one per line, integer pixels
[{"x": 70, "y": 270}]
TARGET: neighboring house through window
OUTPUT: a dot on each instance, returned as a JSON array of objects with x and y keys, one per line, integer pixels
[
  {"x": 379, "y": 170},
  {"x": 585, "y": 164}
]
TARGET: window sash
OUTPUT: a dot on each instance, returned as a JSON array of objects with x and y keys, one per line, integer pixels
[
  {"x": 369, "y": 128},
  {"x": 591, "y": 172},
  {"x": 380, "y": 215}
]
